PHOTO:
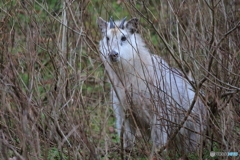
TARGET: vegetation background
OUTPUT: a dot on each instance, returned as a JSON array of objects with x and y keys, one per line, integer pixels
[{"x": 54, "y": 96}]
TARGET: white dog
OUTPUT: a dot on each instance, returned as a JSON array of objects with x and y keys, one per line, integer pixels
[{"x": 147, "y": 93}]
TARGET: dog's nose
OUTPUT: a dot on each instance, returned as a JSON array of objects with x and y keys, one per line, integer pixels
[{"x": 113, "y": 56}]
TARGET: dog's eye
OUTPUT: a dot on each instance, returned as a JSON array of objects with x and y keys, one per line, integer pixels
[
  {"x": 123, "y": 38},
  {"x": 107, "y": 38}
]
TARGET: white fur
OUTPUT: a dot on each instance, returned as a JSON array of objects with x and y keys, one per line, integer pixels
[{"x": 147, "y": 93}]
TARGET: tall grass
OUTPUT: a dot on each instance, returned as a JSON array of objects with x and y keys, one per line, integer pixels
[{"x": 54, "y": 95}]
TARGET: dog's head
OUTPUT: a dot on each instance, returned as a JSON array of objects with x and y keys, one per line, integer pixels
[{"x": 119, "y": 40}]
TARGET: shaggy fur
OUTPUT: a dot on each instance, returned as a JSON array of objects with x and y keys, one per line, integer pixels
[{"x": 147, "y": 93}]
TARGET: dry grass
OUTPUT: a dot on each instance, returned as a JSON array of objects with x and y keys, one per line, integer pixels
[{"x": 54, "y": 96}]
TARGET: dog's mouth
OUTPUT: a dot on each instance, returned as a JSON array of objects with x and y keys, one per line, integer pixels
[{"x": 114, "y": 59}]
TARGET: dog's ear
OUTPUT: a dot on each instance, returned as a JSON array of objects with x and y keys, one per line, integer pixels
[
  {"x": 102, "y": 25},
  {"x": 132, "y": 25}
]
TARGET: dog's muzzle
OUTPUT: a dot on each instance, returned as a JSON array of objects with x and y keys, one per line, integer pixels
[{"x": 113, "y": 55}]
